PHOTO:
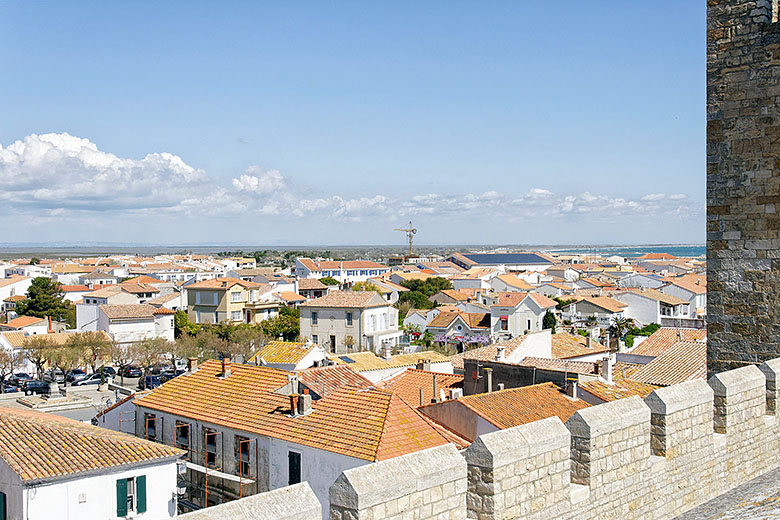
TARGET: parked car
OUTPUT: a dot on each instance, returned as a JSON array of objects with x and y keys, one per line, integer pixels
[
  {"x": 9, "y": 387},
  {"x": 170, "y": 374},
  {"x": 33, "y": 386},
  {"x": 54, "y": 375},
  {"x": 130, "y": 371},
  {"x": 92, "y": 379},
  {"x": 74, "y": 375},
  {"x": 18, "y": 378},
  {"x": 149, "y": 382}
]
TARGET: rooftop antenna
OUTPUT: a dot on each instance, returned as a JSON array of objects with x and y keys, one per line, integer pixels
[{"x": 410, "y": 231}]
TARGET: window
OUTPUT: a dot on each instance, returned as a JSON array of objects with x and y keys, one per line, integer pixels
[
  {"x": 235, "y": 315},
  {"x": 3, "y": 511},
  {"x": 211, "y": 449},
  {"x": 529, "y": 324},
  {"x": 235, "y": 297},
  {"x": 131, "y": 495},
  {"x": 504, "y": 323},
  {"x": 314, "y": 339},
  {"x": 349, "y": 319},
  {"x": 313, "y": 317},
  {"x": 243, "y": 467},
  {"x": 293, "y": 467},
  {"x": 150, "y": 422},
  {"x": 182, "y": 438}
]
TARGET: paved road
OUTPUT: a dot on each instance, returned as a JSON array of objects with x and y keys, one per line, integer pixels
[{"x": 758, "y": 499}]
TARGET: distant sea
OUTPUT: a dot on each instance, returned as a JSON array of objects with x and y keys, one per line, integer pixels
[{"x": 680, "y": 251}]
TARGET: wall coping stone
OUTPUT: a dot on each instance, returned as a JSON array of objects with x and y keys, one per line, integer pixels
[
  {"x": 671, "y": 399},
  {"x": 372, "y": 484},
  {"x": 296, "y": 502},
  {"x": 771, "y": 370},
  {"x": 737, "y": 381},
  {"x": 502, "y": 447},
  {"x": 608, "y": 417}
]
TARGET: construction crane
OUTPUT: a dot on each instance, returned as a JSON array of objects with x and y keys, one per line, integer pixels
[{"x": 410, "y": 231}]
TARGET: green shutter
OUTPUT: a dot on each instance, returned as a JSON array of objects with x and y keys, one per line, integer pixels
[
  {"x": 121, "y": 497},
  {"x": 140, "y": 494},
  {"x": 3, "y": 514}
]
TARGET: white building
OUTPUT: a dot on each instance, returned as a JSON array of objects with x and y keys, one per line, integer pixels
[
  {"x": 646, "y": 306},
  {"x": 694, "y": 293},
  {"x": 130, "y": 323},
  {"x": 514, "y": 314},
  {"x": 110, "y": 475},
  {"x": 344, "y": 321},
  {"x": 346, "y": 272},
  {"x": 14, "y": 286}
]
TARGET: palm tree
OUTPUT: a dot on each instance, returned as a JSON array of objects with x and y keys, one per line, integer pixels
[{"x": 620, "y": 326}]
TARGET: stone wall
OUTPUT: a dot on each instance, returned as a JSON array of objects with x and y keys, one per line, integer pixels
[
  {"x": 743, "y": 189},
  {"x": 427, "y": 485},
  {"x": 296, "y": 502},
  {"x": 628, "y": 459}
]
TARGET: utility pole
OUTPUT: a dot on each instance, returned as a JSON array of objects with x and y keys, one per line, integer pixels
[{"x": 410, "y": 231}]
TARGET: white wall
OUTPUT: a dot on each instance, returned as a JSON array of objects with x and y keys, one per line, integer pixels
[
  {"x": 89, "y": 497},
  {"x": 642, "y": 309},
  {"x": 14, "y": 289}
]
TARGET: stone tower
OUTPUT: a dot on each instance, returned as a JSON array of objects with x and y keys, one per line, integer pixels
[{"x": 743, "y": 182}]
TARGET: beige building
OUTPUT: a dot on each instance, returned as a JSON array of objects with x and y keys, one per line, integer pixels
[
  {"x": 229, "y": 299},
  {"x": 348, "y": 321}
]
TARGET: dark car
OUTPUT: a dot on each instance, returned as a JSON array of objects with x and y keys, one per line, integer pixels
[
  {"x": 74, "y": 375},
  {"x": 170, "y": 374},
  {"x": 109, "y": 371},
  {"x": 130, "y": 371},
  {"x": 33, "y": 386},
  {"x": 19, "y": 378},
  {"x": 92, "y": 379},
  {"x": 150, "y": 381},
  {"x": 9, "y": 388}
]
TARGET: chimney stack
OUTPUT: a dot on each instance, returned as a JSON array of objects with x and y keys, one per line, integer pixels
[
  {"x": 589, "y": 342},
  {"x": 192, "y": 364},
  {"x": 500, "y": 386},
  {"x": 571, "y": 389},
  {"x": 606, "y": 369},
  {"x": 51, "y": 329},
  {"x": 387, "y": 351},
  {"x": 435, "y": 391},
  {"x": 424, "y": 365},
  {"x": 304, "y": 403},
  {"x": 500, "y": 352},
  {"x": 489, "y": 375},
  {"x": 225, "y": 368}
]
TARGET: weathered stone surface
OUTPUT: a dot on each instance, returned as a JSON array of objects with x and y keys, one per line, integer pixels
[
  {"x": 296, "y": 502},
  {"x": 672, "y": 399},
  {"x": 609, "y": 417},
  {"x": 737, "y": 381}
]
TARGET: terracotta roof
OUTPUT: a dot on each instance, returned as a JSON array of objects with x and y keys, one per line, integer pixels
[
  {"x": 324, "y": 380},
  {"x": 116, "y": 312},
  {"x": 523, "y": 405},
  {"x": 657, "y": 256},
  {"x": 513, "y": 281},
  {"x": 161, "y": 300},
  {"x": 408, "y": 385},
  {"x": 604, "y": 302},
  {"x": 662, "y": 339},
  {"x": 104, "y": 292},
  {"x": 455, "y": 295},
  {"x": 622, "y": 384},
  {"x": 365, "y": 361},
  {"x": 163, "y": 310},
  {"x": 560, "y": 365},
  {"x": 14, "y": 338},
  {"x": 43, "y": 446},
  {"x": 136, "y": 288},
  {"x": 348, "y": 299},
  {"x": 565, "y": 345},
  {"x": 15, "y": 298},
  {"x": 415, "y": 275},
  {"x": 541, "y": 300},
  {"x": 289, "y": 296},
  {"x": 509, "y": 299},
  {"x": 690, "y": 286},
  {"x": 222, "y": 283},
  {"x": 596, "y": 282},
  {"x": 69, "y": 269},
  {"x": 366, "y": 424},
  {"x": 658, "y": 296},
  {"x": 311, "y": 284},
  {"x": 143, "y": 279},
  {"x": 22, "y": 321},
  {"x": 12, "y": 280},
  {"x": 486, "y": 353},
  {"x": 17, "y": 338},
  {"x": 330, "y": 265},
  {"x": 474, "y": 320},
  {"x": 288, "y": 352},
  {"x": 74, "y": 288},
  {"x": 97, "y": 275},
  {"x": 681, "y": 362}
]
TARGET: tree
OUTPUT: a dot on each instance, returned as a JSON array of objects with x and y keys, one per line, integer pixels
[
  {"x": 620, "y": 326},
  {"x": 38, "y": 349},
  {"x": 349, "y": 342},
  {"x": 403, "y": 310},
  {"x": 35, "y": 260},
  {"x": 366, "y": 286},
  {"x": 245, "y": 341},
  {"x": 92, "y": 345},
  {"x": 121, "y": 357},
  {"x": 68, "y": 355},
  {"x": 8, "y": 363},
  {"x": 329, "y": 280},
  {"x": 429, "y": 286},
  {"x": 562, "y": 302},
  {"x": 416, "y": 299},
  {"x": 44, "y": 298},
  {"x": 549, "y": 321},
  {"x": 149, "y": 352},
  {"x": 285, "y": 325},
  {"x": 183, "y": 325}
]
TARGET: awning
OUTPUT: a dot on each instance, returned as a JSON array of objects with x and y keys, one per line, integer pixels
[{"x": 504, "y": 317}]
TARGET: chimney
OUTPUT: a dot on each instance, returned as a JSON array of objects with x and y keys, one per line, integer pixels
[
  {"x": 571, "y": 389},
  {"x": 304, "y": 403},
  {"x": 606, "y": 369},
  {"x": 500, "y": 350},
  {"x": 500, "y": 386},
  {"x": 455, "y": 393},
  {"x": 679, "y": 335},
  {"x": 294, "y": 405},
  {"x": 589, "y": 342},
  {"x": 225, "y": 368},
  {"x": 51, "y": 329},
  {"x": 421, "y": 397},
  {"x": 387, "y": 351},
  {"x": 192, "y": 364},
  {"x": 489, "y": 373},
  {"x": 435, "y": 391},
  {"x": 424, "y": 365}
]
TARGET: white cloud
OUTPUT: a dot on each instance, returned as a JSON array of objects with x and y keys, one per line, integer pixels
[{"x": 58, "y": 175}]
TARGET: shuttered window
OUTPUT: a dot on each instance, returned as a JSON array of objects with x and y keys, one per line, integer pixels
[{"x": 130, "y": 496}]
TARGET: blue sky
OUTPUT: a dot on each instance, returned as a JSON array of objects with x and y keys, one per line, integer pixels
[{"x": 333, "y": 123}]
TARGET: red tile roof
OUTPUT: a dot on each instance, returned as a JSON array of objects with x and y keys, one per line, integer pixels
[
  {"x": 22, "y": 321},
  {"x": 408, "y": 385},
  {"x": 665, "y": 337},
  {"x": 565, "y": 345},
  {"x": 324, "y": 380},
  {"x": 681, "y": 362}
]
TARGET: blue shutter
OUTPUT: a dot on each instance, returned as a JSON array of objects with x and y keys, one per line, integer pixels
[
  {"x": 121, "y": 497},
  {"x": 140, "y": 494}
]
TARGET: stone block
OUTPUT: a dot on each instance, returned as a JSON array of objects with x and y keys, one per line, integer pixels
[
  {"x": 734, "y": 382},
  {"x": 771, "y": 371},
  {"x": 296, "y": 502},
  {"x": 683, "y": 396}
]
